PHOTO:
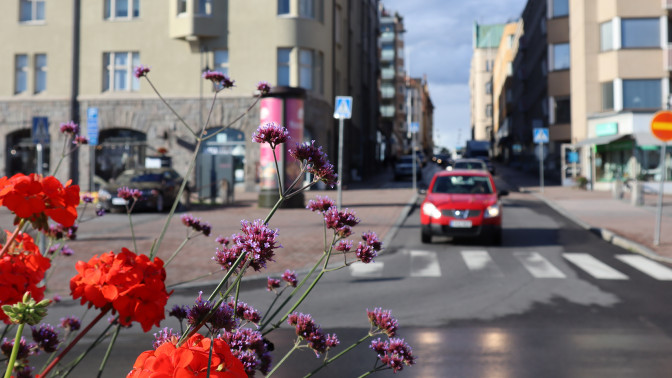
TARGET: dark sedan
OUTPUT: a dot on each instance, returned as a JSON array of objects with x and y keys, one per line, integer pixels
[{"x": 159, "y": 187}]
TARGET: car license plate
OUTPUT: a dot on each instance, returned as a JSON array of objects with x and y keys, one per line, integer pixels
[
  {"x": 118, "y": 201},
  {"x": 460, "y": 223}
]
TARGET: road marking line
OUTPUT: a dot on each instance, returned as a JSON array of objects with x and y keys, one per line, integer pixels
[
  {"x": 647, "y": 266},
  {"x": 481, "y": 262},
  {"x": 424, "y": 264},
  {"x": 594, "y": 267},
  {"x": 538, "y": 266},
  {"x": 359, "y": 269}
]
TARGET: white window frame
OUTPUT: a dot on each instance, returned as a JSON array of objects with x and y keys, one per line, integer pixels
[
  {"x": 40, "y": 70},
  {"x": 112, "y": 4},
  {"x": 131, "y": 83},
  {"x": 288, "y": 3},
  {"x": 21, "y": 72},
  {"x": 33, "y": 10}
]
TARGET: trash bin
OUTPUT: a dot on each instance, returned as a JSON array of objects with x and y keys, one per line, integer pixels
[{"x": 637, "y": 193}]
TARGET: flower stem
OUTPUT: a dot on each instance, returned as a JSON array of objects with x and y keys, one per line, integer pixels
[
  {"x": 332, "y": 359},
  {"x": 65, "y": 351},
  {"x": 130, "y": 221},
  {"x": 170, "y": 107},
  {"x": 79, "y": 358},
  {"x": 5, "y": 247},
  {"x": 184, "y": 242},
  {"x": 234, "y": 120},
  {"x": 109, "y": 350},
  {"x": 285, "y": 357},
  {"x": 15, "y": 351}
]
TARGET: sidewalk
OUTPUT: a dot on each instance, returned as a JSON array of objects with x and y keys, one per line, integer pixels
[{"x": 615, "y": 220}]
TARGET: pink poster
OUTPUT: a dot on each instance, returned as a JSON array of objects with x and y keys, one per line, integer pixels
[
  {"x": 270, "y": 111},
  {"x": 294, "y": 111}
]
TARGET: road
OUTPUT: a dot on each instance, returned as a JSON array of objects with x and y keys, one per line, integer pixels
[{"x": 553, "y": 301}]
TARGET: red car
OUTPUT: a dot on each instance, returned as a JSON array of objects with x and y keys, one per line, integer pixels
[{"x": 462, "y": 203}]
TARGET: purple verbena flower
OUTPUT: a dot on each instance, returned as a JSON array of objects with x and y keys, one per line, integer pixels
[
  {"x": 56, "y": 298},
  {"x": 396, "y": 353},
  {"x": 24, "y": 371},
  {"x": 100, "y": 211},
  {"x": 67, "y": 251},
  {"x": 271, "y": 133},
  {"x": 199, "y": 310},
  {"x": 46, "y": 337},
  {"x": 336, "y": 219},
  {"x": 222, "y": 240},
  {"x": 321, "y": 204},
  {"x": 128, "y": 194},
  {"x": 25, "y": 349},
  {"x": 179, "y": 312},
  {"x": 290, "y": 277},
  {"x": 222, "y": 318},
  {"x": 272, "y": 284},
  {"x": 372, "y": 240},
  {"x": 141, "y": 71},
  {"x": 245, "y": 311},
  {"x": 219, "y": 79},
  {"x": 312, "y": 333},
  {"x": 87, "y": 198},
  {"x": 316, "y": 162},
  {"x": 80, "y": 140},
  {"x": 70, "y": 128},
  {"x": 196, "y": 224},
  {"x": 343, "y": 246},
  {"x": 263, "y": 87},
  {"x": 383, "y": 320},
  {"x": 251, "y": 348},
  {"x": 365, "y": 253},
  {"x": 71, "y": 323},
  {"x": 163, "y": 336},
  {"x": 257, "y": 242}
]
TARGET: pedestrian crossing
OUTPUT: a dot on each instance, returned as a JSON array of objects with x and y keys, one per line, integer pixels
[{"x": 419, "y": 263}]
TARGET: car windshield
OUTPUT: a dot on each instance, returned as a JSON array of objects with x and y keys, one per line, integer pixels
[
  {"x": 458, "y": 184},
  {"x": 469, "y": 165},
  {"x": 406, "y": 160},
  {"x": 139, "y": 177}
]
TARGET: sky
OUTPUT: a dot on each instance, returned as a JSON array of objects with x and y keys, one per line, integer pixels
[{"x": 438, "y": 44}]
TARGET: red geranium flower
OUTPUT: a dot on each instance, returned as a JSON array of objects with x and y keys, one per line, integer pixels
[
  {"x": 22, "y": 268},
  {"x": 35, "y": 198},
  {"x": 134, "y": 285},
  {"x": 188, "y": 360}
]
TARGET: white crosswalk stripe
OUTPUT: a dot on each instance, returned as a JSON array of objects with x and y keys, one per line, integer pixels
[
  {"x": 424, "y": 264},
  {"x": 647, "y": 266},
  {"x": 360, "y": 269},
  {"x": 538, "y": 266},
  {"x": 481, "y": 262},
  {"x": 594, "y": 267}
]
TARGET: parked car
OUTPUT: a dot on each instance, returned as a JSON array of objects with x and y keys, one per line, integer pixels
[
  {"x": 462, "y": 203},
  {"x": 159, "y": 187},
  {"x": 488, "y": 163},
  {"x": 469, "y": 164},
  {"x": 442, "y": 160},
  {"x": 404, "y": 168}
]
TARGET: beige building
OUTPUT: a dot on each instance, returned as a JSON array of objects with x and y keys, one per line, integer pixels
[
  {"x": 420, "y": 110},
  {"x": 486, "y": 40},
  {"x": 62, "y": 59}
]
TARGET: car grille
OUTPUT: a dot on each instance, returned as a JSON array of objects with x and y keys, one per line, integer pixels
[{"x": 461, "y": 214}]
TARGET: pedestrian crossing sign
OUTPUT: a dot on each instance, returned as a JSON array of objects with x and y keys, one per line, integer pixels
[
  {"x": 540, "y": 135},
  {"x": 343, "y": 107}
]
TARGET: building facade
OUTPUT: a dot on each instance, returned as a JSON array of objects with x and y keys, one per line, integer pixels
[
  {"x": 63, "y": 59},
  {"x": 420, "y": 111}
]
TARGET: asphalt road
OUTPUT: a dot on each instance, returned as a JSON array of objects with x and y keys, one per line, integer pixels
[{"x": 537, "y": 306}]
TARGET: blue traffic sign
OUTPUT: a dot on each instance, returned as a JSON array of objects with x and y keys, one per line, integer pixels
[
  {"x": 92, "y": 125},
  {"x": 343, "y": 107},
  {"x": 540, "y": 135},
  {"x": 41, "y": 130},
  {"x": 414, "y": 127}
]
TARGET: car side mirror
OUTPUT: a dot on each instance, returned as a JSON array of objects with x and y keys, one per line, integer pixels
[{"x": 503, "y": 193}]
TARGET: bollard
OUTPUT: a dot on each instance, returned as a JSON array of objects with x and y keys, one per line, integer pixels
[
  {"x": 617, "y": 189},
  {"x": 637, "y": 193}
]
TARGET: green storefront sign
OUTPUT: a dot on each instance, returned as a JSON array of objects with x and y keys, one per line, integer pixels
[{"x": 603, "y": 129}]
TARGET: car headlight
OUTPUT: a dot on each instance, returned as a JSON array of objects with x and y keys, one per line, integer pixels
[
  {"x": 104, "y": 195},
  {"x": 492, "y": 211},
  {"x": 428, "y": 208}
]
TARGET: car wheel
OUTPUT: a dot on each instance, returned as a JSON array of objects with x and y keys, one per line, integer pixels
[
  {"x": 425, "y": 237},
  {"x": 160, "y": 204}
]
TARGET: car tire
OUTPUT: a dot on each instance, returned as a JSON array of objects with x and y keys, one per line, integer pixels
[
  {"x": 425, "y": 237},
  {"x": 160, "y": 204}
]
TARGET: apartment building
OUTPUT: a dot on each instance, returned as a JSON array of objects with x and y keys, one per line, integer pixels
[
  {"x": 73, "y": 59},
  {"x": 392, "y": 85},
  {"x": 593, "y": 73},
  {"x": 420, "y": 110},
  {"x": 486, "y": 40}
]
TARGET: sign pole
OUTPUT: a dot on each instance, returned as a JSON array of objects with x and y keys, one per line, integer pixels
[
  {"x": 541, "y": 166},
  {"x": 340, "y": 162},
  {"x": 659, "y": 211},
  {"x": 38, "y": 149}
]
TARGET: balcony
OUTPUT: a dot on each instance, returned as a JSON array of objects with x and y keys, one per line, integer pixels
[
  {"x": 192, "y": 20},
  {"x": 386, "y": 55},
  {"x": 387, "y": 73},
  {"x": 387, "y": 111},
  {"x": 667, "y": 54}
]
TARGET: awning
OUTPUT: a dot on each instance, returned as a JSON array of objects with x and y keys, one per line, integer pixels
[
  {"x": 606, "y": 139},
  {"x": 646, "y": 139}
]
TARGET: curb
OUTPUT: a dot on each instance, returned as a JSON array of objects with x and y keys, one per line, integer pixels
[{"x": 608, "y": 236}]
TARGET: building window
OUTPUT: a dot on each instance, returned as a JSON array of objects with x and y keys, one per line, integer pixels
[
  {"x": 608, "y": 96},
  {"x": 205, "y": 7},
  {"x": 562, "y": 110},
  {"x": 488, "y": 65},
  {"x": 317, "y": 72},
  {"x": 306, "y": 69},
  {"x": 181, "y": 6},
  {"x": 640, "y": 32},
  {"x": 21, "y": 73},
  {"x": 642, "y": 94},
  {"x": 560, "y": 56},
  {"x": 118, "y": 71},
  {"x": 122, "y": 9},
  {"x": 31, "y": 10},
  {"x": 560, "y": 8},
  {"x": 283, "y": 66},
  {"x": 488, "y": 87},
  {"x": 40, "y": 73},
  {"x": 488, "y": 110},
  {"x": 222, "y": 61},
  {"x": 312, "y": 9},
  {"x": 283, "y": 7},
  {"x": 606, "y": 36},
  {"x": 337, "y": 24}
]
